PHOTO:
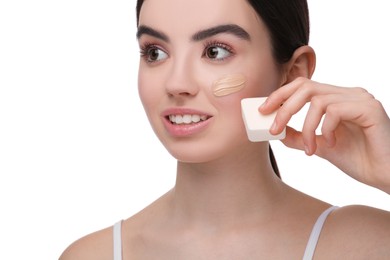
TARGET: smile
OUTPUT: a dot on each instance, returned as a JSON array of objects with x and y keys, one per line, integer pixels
[{"x": 186, "y": 119}]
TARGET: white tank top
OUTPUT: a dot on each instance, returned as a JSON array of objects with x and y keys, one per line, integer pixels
[{"x": 309, "y": 252}]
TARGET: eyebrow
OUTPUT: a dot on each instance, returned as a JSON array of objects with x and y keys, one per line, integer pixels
[
  {"x": 143, "y": 29},
  {"x": 198, "y": 36},
  {"x": 226, "y": 28}
]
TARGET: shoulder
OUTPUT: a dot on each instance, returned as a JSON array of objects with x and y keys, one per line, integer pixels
[
  {"x": 97, "y": 245},
  {"x": 363, "y": 219},
  {"x": 358, "y": 231}
]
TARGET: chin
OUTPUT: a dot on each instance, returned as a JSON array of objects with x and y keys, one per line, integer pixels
[
  {"x": 199, "y": 152},
  {"x": 190, "y": 154}
]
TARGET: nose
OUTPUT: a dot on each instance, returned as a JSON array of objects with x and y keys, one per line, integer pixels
[{"x": 181, "y": 80}]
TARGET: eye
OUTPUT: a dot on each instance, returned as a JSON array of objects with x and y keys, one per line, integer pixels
[
  {"x": 152, "y": 53},
  {"x": 217, "y": 51}
]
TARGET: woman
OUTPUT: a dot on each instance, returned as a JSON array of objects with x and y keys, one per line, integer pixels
[{"x": 228, "y": 202}]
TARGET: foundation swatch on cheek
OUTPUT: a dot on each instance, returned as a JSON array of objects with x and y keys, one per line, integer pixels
[{"x": 228, "y": 85}]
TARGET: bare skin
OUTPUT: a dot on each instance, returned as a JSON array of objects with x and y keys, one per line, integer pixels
[
  {"x": 227, "y": 202},
  {"x": 150, "y": 234}
]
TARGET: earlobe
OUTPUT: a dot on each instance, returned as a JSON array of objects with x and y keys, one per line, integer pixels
[{"x": 301, "y": 64}]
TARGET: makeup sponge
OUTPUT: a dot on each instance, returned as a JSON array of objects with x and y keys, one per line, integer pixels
[{"x": 258, "y": 125}]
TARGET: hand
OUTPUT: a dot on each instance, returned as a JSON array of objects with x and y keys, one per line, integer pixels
[{"x": 355, "y": 128}]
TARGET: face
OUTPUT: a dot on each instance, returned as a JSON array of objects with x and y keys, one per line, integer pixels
[{"x": 187, "y": 46}]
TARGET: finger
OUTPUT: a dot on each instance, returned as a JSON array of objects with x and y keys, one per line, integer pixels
[
  {"x": 297, "y": 101},
  {"x": 364, "y": 112},
  {"x": 335, "y": 113},
  {"x": 312, "y": 121},
  {"x": 279, "y": 96},
  {"x": 315, "y": 113},
  {"x": 293, "y": 139},
  {"x": 307, "y": 87}
]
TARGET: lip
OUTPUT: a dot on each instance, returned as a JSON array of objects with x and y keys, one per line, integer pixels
[{"x": 185, "y": 130}]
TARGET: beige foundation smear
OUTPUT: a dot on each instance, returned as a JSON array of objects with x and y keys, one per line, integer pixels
[{"x": 228, "y": 85}]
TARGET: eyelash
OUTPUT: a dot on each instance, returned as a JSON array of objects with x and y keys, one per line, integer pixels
[
  {"x": 214, "y": 43},
  {"x": 146, "y": 47}
]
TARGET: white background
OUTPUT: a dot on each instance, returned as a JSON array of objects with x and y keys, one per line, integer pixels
[{"x": 76, "y": 150}]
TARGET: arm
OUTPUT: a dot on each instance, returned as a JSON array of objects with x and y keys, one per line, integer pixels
[{"x": 97, "y": 245}]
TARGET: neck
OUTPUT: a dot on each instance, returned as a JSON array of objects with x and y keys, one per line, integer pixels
[{"x": 218, "y": 192}]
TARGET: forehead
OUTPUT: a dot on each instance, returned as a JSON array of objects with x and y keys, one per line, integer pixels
[{"x": 183, "y": 17}]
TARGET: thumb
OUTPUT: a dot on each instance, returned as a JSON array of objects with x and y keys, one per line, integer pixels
[{"x": 293, "y": 139}]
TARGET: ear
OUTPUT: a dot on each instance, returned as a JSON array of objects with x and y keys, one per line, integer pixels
[{"x": 301, "y": 64}]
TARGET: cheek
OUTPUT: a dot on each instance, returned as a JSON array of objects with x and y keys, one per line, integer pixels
[
  {"x": 251, "y": 79},
  {"x": 261, "y": 86},
  {"x": 258, "y": 83},
  {"x": 263, "y": 79},
  {"x": 142, "y": 88},
  {"x": 149, "y": 89},
  {"x": 229, "y": 113}
]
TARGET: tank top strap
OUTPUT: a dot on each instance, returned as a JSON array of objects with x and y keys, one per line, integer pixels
[
  {"x": 315, "y": 234},
  {"x": 117, "y": 240}
]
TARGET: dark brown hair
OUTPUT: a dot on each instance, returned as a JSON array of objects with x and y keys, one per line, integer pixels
[{"x": 287, "y": 22}]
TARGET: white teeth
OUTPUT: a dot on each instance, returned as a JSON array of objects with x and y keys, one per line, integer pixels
[
  {"x": 196, "y": 118},
  {"x": 179, "y": 120},
  {"x": 186, "y": 119}
]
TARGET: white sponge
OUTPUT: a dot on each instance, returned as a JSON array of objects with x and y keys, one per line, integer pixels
[{"x": 258, "y": 125}]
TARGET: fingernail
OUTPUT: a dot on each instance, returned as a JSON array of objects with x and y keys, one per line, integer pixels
[
  {"x": 262, "y": 106},
  {"x": 274, "y": 127},
  {"x": 307, "y": 150}
]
